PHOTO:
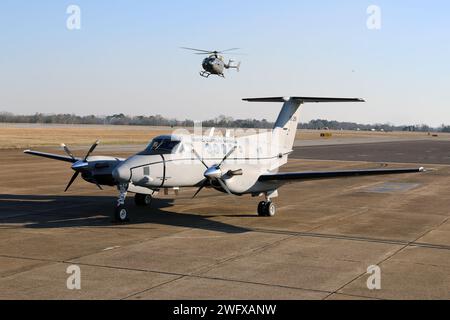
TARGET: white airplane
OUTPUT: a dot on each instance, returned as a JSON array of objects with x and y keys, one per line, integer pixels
[{"x": 244, "y": 165}]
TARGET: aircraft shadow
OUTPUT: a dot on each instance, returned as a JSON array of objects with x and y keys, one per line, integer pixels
[{"x": 56, "y": 211}]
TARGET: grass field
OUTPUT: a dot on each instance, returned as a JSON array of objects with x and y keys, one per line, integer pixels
[{"x": 13, "y": 136}]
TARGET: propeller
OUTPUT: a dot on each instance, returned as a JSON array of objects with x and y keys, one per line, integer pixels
[
  {"x": 79, "y": 165},
  {"x": 214, "y": 173}
]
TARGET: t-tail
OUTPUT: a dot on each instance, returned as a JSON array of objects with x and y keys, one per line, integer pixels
[{"x": 285, "y": 127}]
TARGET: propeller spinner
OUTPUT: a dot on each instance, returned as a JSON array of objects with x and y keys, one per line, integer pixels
[
  {"x": 79, "y": 165},
  {"x": 215, "y": 174}
]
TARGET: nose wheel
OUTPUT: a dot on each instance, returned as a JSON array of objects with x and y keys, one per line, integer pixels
[
  {"x": 120, "y": 211},
  {"x": 121, "y": 214},
  {"x": 266, "y": 209}
]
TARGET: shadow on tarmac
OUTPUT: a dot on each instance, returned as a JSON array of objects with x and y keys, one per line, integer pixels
[{"x": 61, "y": 211}]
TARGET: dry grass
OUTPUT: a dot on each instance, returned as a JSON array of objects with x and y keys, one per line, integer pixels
[
  {"x": 21, "y": 136},
  {"x": 26, "y": 137}
]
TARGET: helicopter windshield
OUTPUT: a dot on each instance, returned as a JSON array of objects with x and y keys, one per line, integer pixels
[{"x": 160, "y": 146}]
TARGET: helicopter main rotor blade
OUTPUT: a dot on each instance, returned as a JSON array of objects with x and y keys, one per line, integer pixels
[
  {"x": 199, "y": 50},
  {"x": 232, "y": 49}
]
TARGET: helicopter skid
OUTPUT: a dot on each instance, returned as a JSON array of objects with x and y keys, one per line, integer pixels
[{"x": 206, "y": 74}]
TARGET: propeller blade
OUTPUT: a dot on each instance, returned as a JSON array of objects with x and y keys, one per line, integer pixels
[
  {"x": 227, "y": 155},
  {"x": 99, "y": 186},
  {"x": 91, "y": 150},
  {"x": 205, "y": 181},
  {"x": 224, "y": 186},
  {"x": 199, "y": 158},
  {"x": 67, "y": 150},
  {"x": 75, "y": 175}
]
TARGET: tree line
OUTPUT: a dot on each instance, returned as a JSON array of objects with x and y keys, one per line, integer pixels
[{"x": 221, "y": 121}]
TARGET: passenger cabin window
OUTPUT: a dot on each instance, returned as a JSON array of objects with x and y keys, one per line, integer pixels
[{"x": 160, "y": 146}]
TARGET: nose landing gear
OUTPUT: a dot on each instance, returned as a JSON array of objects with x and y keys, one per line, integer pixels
[{"x": 121, "y": 212}]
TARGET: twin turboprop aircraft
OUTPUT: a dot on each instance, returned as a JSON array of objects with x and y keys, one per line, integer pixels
[{"x": 237, "y": 166}]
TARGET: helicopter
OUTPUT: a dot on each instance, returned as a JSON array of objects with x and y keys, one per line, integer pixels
[{"x": 214, "y": 64}]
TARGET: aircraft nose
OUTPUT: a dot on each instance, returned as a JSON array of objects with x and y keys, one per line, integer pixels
[{"x": 122, "y": 174}]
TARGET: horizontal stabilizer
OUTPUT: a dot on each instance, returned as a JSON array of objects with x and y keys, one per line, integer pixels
[{"x": 303, "y": 99}]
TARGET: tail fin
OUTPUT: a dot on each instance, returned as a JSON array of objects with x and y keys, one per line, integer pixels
[
  {"x": 286, "y": 125},
  {"x": 237, "y": 66}
]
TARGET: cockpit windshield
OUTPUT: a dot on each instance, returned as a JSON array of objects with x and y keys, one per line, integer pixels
[{"x": 160, "y": 146}]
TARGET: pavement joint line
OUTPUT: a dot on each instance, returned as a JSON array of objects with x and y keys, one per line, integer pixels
[
  {"x": 205, "y": 269},
  {"x": 393, "y": 254},
  {"x": 152, "y": 288},
  {"x": 181, "y": 275},
  {"x": 254, "y": 251},
  {"x": 354, "y": 238},
  {"x": 354, "y": 296}
]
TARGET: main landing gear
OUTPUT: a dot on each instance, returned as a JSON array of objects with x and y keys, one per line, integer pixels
[
  {"x": 266, "y": 209},
  {"x": 142, "y": 200}
]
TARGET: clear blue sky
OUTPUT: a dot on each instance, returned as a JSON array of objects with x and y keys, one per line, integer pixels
[{"x": 126, "y": 58}]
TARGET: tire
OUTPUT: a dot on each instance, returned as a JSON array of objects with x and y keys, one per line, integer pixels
[
  {"x": 270, "y": 210},
  {"x": 143, "y": 200},
  {"x": 121, "y": 214},
  {"x": 261, "y": 207}
]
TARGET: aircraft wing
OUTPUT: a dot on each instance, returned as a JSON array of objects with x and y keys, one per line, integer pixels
[
  {"x": 52, "y": 156},
  {"x": 322, "y": 175}
]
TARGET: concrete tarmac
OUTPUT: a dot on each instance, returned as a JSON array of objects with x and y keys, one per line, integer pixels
[{"x": 319, "y": 246}]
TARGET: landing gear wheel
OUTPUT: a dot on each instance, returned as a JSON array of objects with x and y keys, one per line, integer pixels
[
  {"x": 121, "y": 214},
  {"x": 261, "y": 206},
  {"x": 266, "y": 209},
  {"x": 143, "y": 200},
  {"x": 269, "y": 209}
]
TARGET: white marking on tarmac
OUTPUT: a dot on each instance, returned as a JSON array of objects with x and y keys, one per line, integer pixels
[{"x": 111, "y": 248}]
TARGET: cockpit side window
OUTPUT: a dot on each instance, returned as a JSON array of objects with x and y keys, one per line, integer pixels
[{"x": 160, "y": 146}]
